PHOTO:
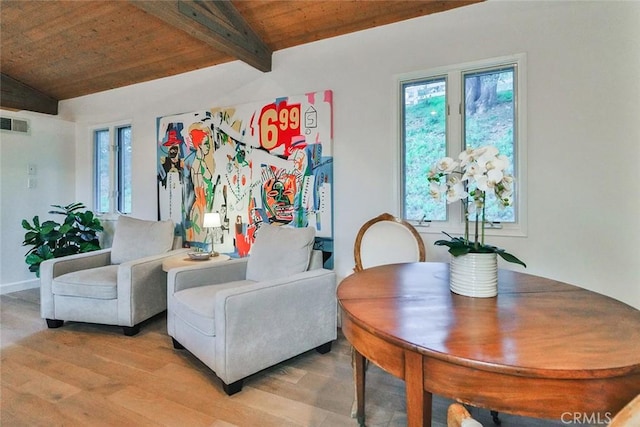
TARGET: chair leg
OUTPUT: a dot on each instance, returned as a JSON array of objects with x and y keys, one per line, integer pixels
[
  {"x": 131, "y": 330},
  {"x": 54, "y": 323},
  {"x": 354, "y": 405},
  {"x": 176, "y": 344},
  {"x": 232, "y": 388},
  {"x": 324, "y": 348},
  {"x": 497, "y": 421}
]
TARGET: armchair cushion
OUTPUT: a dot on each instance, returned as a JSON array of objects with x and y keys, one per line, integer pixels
[
  {"x": 136, "y": 238},
  {"x": 280, "y": 252},
  {"x": 195, "y": 306},
  {"x": 99, "y": 283}
]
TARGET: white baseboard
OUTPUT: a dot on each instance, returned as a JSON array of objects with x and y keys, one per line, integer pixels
[{"x": 7, "y": 288}]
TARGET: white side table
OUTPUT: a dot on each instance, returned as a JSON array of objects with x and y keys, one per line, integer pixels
[{"x": 183, "y": 260}]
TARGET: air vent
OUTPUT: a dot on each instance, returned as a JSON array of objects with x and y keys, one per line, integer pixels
[{"x": 14, "y": 125}]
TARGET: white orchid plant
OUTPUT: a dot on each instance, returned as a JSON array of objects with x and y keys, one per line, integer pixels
[{"x": 476, "y": 172}]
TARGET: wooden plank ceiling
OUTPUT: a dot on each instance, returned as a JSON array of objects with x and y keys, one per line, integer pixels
[{"x": 55, "y": 50}]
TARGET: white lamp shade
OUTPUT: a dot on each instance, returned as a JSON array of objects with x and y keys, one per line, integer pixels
[{"x": 211, "y": 219}]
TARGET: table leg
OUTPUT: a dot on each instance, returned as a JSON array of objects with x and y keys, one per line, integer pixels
[
  {"x": 359, "y": 373},
  {"x": 418, "y": 400}
]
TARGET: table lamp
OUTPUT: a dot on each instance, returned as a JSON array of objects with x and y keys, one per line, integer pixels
[{"x": 211, "y": 220}]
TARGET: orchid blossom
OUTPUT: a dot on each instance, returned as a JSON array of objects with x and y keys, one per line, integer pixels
[{"x": 477, "y": 172}]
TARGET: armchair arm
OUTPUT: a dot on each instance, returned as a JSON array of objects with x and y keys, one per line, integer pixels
[
  {"x": 55, "y": 267},
  {"x": 58, "y": 266},
  {"x": 191, "y": 276},
  {"x": 277, "y": 319},
  {"x": 142, "y": 289}
]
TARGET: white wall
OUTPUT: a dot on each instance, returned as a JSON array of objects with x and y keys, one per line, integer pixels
[
  {"x": 50, "y": 146},
  {"x": 583, "y": 91}
]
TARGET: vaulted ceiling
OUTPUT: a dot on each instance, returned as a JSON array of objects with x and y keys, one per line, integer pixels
[{"x": 56, "y": 50}]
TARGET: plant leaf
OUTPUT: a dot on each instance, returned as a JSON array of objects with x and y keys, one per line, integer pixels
[
  {"x": 459, "y": 246},
  {"x": 77, "y": 233},
  {"x": 510, "y": 258},
  {"x": 459, "y": 250},
  {"x": 32, "y": 259}
]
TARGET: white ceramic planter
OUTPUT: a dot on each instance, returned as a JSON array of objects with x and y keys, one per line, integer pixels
[{"x": 474, "y": 275}]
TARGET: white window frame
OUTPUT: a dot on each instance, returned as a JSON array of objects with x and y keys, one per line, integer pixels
[
  {"x": 454, "y": 75},
  {"x": 115, "y": 175}
]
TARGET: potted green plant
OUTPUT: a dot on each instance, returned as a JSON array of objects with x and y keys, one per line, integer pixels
[
  {"x": 50, "y": 239},
  {"x": 476, "y": 172}
]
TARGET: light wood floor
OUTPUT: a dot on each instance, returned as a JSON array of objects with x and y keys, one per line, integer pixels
[{"x": 92, "y": 375}]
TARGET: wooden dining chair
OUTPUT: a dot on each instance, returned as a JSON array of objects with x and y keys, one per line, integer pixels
[
  {"x": 387, "y": 239},
  {"x": 629, "y": 416},
  {"x": 382, "y": 240},
  {"x": 458, "y": 416}
]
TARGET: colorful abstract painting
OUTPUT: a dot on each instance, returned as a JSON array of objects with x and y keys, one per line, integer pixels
[{"x": 266, "y": 162}]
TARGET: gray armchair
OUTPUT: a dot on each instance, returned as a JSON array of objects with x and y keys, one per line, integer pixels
[
  {"x": 244, "y": 315},
  {"x": 123, "y": 285}
]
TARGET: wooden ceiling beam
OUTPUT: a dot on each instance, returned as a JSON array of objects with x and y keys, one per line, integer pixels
[
  {"x": 16, "y": 95},
  {"x": 216, "y": 23}
]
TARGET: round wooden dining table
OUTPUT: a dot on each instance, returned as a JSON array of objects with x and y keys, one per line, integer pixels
[{"x": 540, "y": 348}]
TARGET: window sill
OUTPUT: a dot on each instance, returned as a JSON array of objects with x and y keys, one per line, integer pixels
[{"x": 512, "y": 230}]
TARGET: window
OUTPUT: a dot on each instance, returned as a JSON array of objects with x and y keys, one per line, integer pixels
[
  {"x": 112, "y": 182},
  {"x": 448, "y": 110}
]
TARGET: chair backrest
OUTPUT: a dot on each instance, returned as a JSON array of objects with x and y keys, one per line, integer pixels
[
  {"x": 629, "y": 416},
  {"x": 386, "y": 239},
  {"x": 458, "y": 416},
  {"x": 138, "y": 238},
  {"x": 177, "y": 242},
  {"x": 280, "y": 251}
]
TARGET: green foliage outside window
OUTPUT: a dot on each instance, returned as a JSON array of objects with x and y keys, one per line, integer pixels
[
  {"x": 492, "y": 123},
  {"x": 488, "y": 119},
  {"x": 425, "y": 142}
]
